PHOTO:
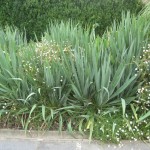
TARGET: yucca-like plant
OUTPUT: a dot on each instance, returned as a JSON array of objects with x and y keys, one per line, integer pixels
[
  {"x": 146, "y": 11},
  {"x": 141, "y": 105},
  {"x": 125, "y": 43},
  {"x": 15, "y": 90},
  {"x": 102, "y": 70},
  {"x": 67, "y": 34}
]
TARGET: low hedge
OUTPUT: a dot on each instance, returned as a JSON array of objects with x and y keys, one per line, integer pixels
[{"x": 34, "y": 15}]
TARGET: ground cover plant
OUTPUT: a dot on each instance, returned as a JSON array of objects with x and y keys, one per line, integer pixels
[{"x": 74, "y": 80}]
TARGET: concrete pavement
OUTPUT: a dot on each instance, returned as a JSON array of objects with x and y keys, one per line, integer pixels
[{"x": 18, "y": 140}]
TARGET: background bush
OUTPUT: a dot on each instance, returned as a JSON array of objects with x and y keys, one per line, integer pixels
[{"x": 34, "y": 15}]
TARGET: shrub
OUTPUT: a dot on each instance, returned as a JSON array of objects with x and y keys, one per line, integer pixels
[{"x": 35, "y": 15}]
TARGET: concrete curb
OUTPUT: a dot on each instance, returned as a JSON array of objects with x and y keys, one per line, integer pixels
[
  {"x": 46, "y": 135},
  {"x": 52, "y": 140}
]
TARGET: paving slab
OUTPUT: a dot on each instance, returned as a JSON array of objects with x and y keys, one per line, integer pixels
[{"x": 18, "y": 140}]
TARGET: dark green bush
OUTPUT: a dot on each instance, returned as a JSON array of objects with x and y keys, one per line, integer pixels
[{"x": 34, "y": 15}]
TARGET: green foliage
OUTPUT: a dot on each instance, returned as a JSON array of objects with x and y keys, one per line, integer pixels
[
  {"x": 113, "y": 128},
  {"x": 33, "y": 16},
  {"x": 75, "y": 80},
  {"x": 142, "y": 104}
]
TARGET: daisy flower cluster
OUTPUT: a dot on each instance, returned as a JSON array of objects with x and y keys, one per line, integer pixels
[
  {"x": 51, "y": 51},
  {"x": 144, "y": 70},
  {"x": 45, "y": 53},
  {"x": 113, "y": 128}
]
